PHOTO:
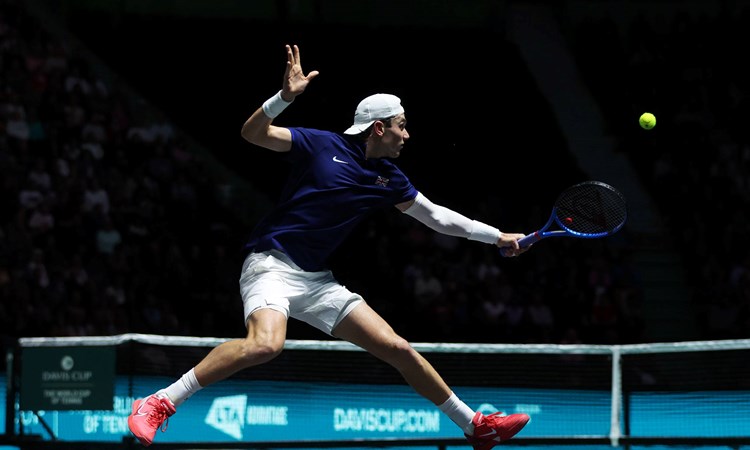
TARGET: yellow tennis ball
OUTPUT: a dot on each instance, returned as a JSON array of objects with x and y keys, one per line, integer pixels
[{"x": 647, "y": 121}]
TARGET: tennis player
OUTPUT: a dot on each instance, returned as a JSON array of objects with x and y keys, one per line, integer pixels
[{"x": 336, "y": 179}]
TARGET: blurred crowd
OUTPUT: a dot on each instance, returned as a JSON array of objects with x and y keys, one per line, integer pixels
[{"x": 109, "y": 223}]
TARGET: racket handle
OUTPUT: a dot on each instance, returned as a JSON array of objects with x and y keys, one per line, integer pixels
[{"x": 529, "y": 239}]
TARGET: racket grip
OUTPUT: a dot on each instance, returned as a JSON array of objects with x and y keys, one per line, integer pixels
[{"x": 529, "y": 239}]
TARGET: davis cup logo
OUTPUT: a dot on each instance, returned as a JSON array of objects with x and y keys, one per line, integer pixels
[{"x": 66, "y": 363}]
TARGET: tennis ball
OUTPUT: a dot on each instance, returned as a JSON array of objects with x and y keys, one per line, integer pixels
[{"x": 647, "y": 121}]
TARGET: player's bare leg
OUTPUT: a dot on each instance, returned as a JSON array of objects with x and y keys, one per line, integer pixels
[
  {"x": 266, "y": 333},
  {"x": 366, "y": 329}
]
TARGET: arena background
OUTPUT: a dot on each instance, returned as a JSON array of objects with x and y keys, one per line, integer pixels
[{"x": 507, "y": 102}]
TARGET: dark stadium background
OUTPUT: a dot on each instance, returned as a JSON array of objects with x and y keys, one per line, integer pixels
[{"x": 484, "y": 139}]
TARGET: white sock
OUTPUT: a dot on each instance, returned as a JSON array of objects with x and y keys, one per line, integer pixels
[
  {"x": 459, "y": 413},
  {"x": 182, "y": 389}
]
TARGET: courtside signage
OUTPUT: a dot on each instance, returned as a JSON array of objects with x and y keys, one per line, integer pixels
[
  {"x": 247, "y": 411},
  {"x": 67, "y": 378}
]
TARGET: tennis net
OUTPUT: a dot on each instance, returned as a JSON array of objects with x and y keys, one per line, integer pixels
[{"x": 331, "y": 393}]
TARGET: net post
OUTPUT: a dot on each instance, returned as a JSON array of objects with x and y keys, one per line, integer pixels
[{"x": 614, "y": 429}]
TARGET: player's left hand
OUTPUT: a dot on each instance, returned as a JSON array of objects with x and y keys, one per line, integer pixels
[{"x": 295, "y": 80}]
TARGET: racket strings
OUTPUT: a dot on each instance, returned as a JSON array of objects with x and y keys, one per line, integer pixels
[{"x": 591, "y": 208}]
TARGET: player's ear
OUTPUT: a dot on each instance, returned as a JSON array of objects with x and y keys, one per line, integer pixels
[{"x": 379, "y": 127}]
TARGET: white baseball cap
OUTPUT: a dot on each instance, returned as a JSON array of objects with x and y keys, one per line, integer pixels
[{"x": 372, "y": 108}]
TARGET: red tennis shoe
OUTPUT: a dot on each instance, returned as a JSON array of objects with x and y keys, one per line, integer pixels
[
  {"x": 149, "y": 414},
  {"x": 495, "y": 428}
]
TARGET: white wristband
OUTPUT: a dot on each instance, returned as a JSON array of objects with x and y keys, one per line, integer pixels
[
  {"x": 275, "y": 105},
  {"x": 484, "y": 233}
]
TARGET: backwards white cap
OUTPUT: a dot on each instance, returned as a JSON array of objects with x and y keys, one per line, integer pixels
[{"x": 372, "y": 108}]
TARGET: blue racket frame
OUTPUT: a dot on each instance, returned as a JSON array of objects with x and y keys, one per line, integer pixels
[
  {"x": 543, "y": 232},
  {"x": 564, "y": 230}
]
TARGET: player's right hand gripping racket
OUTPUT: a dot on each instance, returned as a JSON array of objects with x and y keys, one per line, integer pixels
[{"x": 591, "y": 209}]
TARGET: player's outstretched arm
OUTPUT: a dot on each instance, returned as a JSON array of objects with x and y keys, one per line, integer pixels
[{"x": 447, "y": 221}]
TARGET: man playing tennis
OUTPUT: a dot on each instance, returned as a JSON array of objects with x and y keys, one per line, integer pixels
[{"x": 335, "y": 181}]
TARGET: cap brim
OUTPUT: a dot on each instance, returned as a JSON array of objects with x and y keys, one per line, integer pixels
[{"x": 358, "y": 128}]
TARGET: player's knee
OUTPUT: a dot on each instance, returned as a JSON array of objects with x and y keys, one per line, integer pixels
[
  {"x": 400, "y": 351},
  {"x": 267, "y": 352},
  {"x": 261, "y": 351}
]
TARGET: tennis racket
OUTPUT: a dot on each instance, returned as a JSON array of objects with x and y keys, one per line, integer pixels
[{"x": 591, "y": 209}]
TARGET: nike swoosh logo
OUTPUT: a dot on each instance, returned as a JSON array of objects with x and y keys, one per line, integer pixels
[
  {"x": 335, "y": 159},
  {"x": 491, "y": 433},
  {"x": 143, "y": 403}
]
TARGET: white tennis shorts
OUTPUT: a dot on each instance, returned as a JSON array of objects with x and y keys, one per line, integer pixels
[{"x": 271, "y": 280}]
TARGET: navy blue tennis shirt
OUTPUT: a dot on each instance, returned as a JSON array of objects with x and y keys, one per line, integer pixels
[{"x": 331, "y": 187}]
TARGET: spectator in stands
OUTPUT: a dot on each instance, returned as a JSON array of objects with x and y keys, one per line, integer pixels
[
  {"x": 108, "y": 237},
  {"x": 541, "y": 320},
  {"x": 427, "y": 286}
]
